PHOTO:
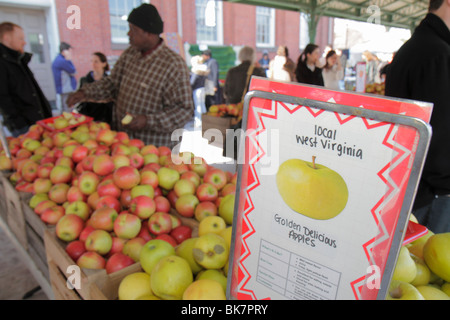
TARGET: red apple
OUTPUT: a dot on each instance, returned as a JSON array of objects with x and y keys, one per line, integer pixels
[
  {"x": 229, "y": 188},
  {"x": 117, "y": 262},
  {"x": 106, "y": 136},
  {"x": 136, "y": 160},
  {"x": 168, "y": 238},
  {"x": 185, "y": 205},
  {"x": 198, "y": 165},
  {"x": 88, "y": 163},
  {"x": 103, "y": 218},
  {"x": 137, "y": 143},
  {"x": 126, "y": 177},
  {"x": 191, "y": 175},
  {"x": 61, "y": 174},
  {"x": 144, "y": 233},
  {"x": 181, "y": 233},
  {"x": 43, "y": 205},
  {"x": 85, "y": 232},
  {"x": 69, "y": 227},
  {"x": 44, "y": 169},
  {"x": 64, "y": 161},
  {"x": 127, "y": 226},
  {"x": 125, "y": 199},
  {"x": 109, "y": 202},
  {"x": 58, "y": 193},
  {"x": 205, "y": 209},
  {"x": 75, "y": 249},
  {"x": 74, "y": 194},
  {"x": 207, "y": 192},
  {"x": 108, "y": 188},
  {"x": 149, "y": 149},
  {"x": 151, "y": 167},
  {"x": 159, "y": 223},
  {"x": 117, "y": 245},
  {"x": 216, "y": 177},
  {"x": 164, "y": 151},
  {"x": 41, "y": 185},
  {"x": 162, "y": 204},
  {"x": 172, "y": 197},
  {"x": 29, "y": 170},
  {"x": 142, "y": 206},
  {"x": 103, "y": 165},
  {"x": 120, "y": 160},
  {"x": 149, "y": 177},
  {"x": 52, "y": 215},
  {"x": 176, "y": 221},
  {"x": 99, "y": 241},
  {"x": 91, "y": 260}
]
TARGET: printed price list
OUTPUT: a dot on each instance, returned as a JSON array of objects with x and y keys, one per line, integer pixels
[{"x": 294, "y": 276}]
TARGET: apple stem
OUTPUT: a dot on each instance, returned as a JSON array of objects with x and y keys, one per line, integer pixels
[{"x": 314, "y": 162}]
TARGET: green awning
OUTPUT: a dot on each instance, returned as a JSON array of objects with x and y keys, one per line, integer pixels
[{"x": 393, "y": 13}]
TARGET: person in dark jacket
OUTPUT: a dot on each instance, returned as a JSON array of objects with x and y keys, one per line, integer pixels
[
  {"x": 98, "y": 111},
  {"x": 22, "y": 102},
  {"x": 236, "y": 79},
  {"x": 212, "y": 90},
  {"x": 421, "y": 71},
  {"x": 307, "y": 70}
]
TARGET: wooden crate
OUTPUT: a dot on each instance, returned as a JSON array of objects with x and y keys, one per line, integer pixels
[
  {"x": 219, "y": 123},
  {"x": 95, "y": 284},
  {"x": 35, "y": 229},
  {"x": 14, "y": 215}
]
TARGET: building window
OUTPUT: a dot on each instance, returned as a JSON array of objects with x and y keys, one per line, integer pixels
[
  {"x": 265, "y": 27},
  {"x": 209, "y": 22},
  {"x": 304, "y": 31},
  {"x": 118, "y": 14}
]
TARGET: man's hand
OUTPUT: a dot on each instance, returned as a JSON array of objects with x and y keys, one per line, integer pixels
[
  {"x": 138, "y": 123},
  {"x": 75, "y": 98}
]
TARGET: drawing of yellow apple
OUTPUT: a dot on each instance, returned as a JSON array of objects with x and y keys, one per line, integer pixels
[{"x": 312, "y": 189}]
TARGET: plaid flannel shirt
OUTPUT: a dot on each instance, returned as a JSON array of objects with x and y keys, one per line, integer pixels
[{"x": 156, "y": 85}]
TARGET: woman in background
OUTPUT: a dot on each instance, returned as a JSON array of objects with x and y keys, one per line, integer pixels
[
  {"x": 307, "y": 70},
  {"x": 332, "y": 72},
  {"x": 99, "y": 111}
]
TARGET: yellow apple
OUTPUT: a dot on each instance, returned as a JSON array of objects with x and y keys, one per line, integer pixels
[
  {"x": 416, "y": 247},
  {"x": 436, "y": 253},
  {"x": 211, "y": 224},
  {"x": 226, "y": 234},
  {"x": 423, "y": 272},
  {"x": 312, "y": 189},
  {"x": 400, "y": 290},
  {"x": 211, "y": 251},
  {"x": 204, "y": 289},
  {"x": 432, "y": 293},
  {"x": 134, "y": 286},
  {"x": 405, "y": 269},
  {"x": 215, "y": 275},
  {"x": 61, "y": 123},
  {"x": 184, "y": 250},
  {"x": 148, "y": 297},
  {"x": 226, "y": 208},
  {"x": 446, "y": 288},
  {"x": 170, "y": 277}
]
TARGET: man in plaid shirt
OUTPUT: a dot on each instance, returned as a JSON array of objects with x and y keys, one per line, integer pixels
[{"x": 149, "y": 81}]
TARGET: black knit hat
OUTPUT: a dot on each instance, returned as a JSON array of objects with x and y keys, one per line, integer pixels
[{"x": 147, "y": 18}]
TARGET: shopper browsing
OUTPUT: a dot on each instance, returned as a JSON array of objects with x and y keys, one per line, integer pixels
[
  {"x": 332, "y": 71},
  {"x": 64, "y": 74},
  {"x": 307, "y": 70},
  {"x": 149, "y": 81},
  {"x": 420, "y": 70}
]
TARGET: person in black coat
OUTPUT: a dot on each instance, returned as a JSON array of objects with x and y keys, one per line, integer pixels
[
  {"x": 98, "y": 111},
  {"x": 421, "y": 71},
  {"x": 22, "y": 102},
  {"x": 307, "y": 70}
]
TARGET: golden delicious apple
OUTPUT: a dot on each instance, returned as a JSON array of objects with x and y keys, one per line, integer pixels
[
  {"x": 432, "y": 293},
  {"x": 312, "y": 189},
  {"x": 134, "y": 286},
  {"x": 184, "y": 250},
  {"x": 226, "y": 234},
  {"x": 405, "y": 269},
  {"x": 416, "y": 247},
  {"x": 170, "y": 277},
  {"x": 226, "y": 208},
  {"x": 423, "y": 272},
  {"x": 446, "y": 288},
  {"x": 400, "y": 290},
  {"x": 211, "y": 224},
  {"x": 436, "y": 253},
  {"x": 204, "y": 289},
  {"x": 211, "y": 251},
  {"x": 213, "y": 274}
]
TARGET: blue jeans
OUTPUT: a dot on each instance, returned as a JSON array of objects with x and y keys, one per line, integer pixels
[{"x": 436, "y": 215}]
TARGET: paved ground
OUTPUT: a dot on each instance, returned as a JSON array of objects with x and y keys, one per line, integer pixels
[{"x": 17, "y": 282}]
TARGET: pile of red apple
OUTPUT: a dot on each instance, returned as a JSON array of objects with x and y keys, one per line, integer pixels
[{"x": 107, "y": 195}]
